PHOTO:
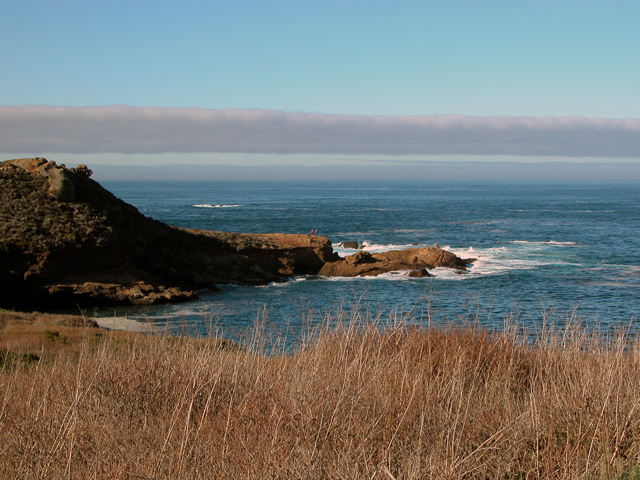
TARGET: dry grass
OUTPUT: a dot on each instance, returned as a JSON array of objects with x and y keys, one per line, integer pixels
[{"x": 359, "y": 400}]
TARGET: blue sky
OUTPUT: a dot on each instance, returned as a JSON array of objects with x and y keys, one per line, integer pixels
[
  {"x": 372, "y": 58},
  {"x": 470, "y": 58}
]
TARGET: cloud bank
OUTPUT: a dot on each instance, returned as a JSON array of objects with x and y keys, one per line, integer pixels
[
  {"x": 471, "y": 171},
  {"x": 126, "y": 129}
]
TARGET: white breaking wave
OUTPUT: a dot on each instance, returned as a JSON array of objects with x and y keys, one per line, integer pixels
[
  {"x": 549, "y": 242},
  {"x": 209, "y": 205},
  {"x": 500, "y": 260},
  {"x": 401, "y": 275},
  {"x": 374, "y": 248}
]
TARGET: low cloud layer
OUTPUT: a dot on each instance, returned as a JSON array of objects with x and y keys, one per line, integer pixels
[
  {"x": 472, "y": 171},
  {"x": 125, "y": 129}
]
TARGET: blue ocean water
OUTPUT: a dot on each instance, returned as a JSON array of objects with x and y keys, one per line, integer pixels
[{"x": 543, "y": 250}]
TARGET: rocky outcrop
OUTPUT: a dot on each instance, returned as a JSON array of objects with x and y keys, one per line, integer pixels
[
  {"x": 243, "y": 258},
  {"x": 420, "y": 273},
  {"x": 137, "y": 293},
  {"x": 66, "y": 241},
  {"x": 365, "y": 264},
  {"x": 60, "y": 185}
]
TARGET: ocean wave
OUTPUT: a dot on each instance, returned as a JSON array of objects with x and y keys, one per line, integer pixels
[
  {"x": 548, "y": 242},
  {"x": 414, "y": 231},
  {"x": 492, "y": 261},
  {"x": 380, "y": 248},
  {"x": 437, "y": 274},
  {"x": 220, "y": 205},
  {"x": 375, "y": 248},
  {"x": 400, "y": 275}
]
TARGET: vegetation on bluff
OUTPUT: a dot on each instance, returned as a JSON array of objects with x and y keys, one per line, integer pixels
[{"x": 36, "y": 223}]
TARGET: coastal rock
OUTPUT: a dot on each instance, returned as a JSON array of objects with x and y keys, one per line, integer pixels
[
  {"x": 353, "y": 245},
  {"x": 60, "y": 185},
  {"x": 421, "y": 273},
  {"x": 359, "y": 258},
  {"x": 115, "y": 294},
  {"x": 257, "y": 258},
  {"x": 66, "y": 241},
  {"x": 364, "y": 264}
]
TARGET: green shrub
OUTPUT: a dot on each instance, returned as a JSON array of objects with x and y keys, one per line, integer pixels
[{"x": 54, "y": 336}]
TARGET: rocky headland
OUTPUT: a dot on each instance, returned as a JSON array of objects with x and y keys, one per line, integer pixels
[{"x": 66, "y": 241}]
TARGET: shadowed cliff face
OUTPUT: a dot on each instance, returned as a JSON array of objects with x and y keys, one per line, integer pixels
[{"x": 66, "y": 241}]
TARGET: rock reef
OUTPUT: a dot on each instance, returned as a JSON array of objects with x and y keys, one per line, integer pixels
[{"x": 415, "y": 260}]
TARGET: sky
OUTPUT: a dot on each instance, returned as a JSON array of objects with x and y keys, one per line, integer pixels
[{"x": 312, "y": 84}]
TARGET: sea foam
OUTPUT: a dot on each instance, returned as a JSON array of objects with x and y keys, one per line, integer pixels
[{"x": 209, "y": 205}]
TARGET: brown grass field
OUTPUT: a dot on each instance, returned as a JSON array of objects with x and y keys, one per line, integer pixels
[{"x": 364, "y": 399}]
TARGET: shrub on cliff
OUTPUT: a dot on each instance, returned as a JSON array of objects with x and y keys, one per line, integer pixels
[{"x": 34, "y": 222}]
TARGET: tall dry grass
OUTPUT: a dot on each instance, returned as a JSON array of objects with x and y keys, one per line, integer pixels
[{"x": 361, "y": 399}]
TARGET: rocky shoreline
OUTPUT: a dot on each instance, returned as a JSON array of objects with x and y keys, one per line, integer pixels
[
  {"x": 417, "y": 261},
  {"x": 66, "y": 241}
]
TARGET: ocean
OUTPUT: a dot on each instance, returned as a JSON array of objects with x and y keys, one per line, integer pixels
[{"x": 545, "y": 251}]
